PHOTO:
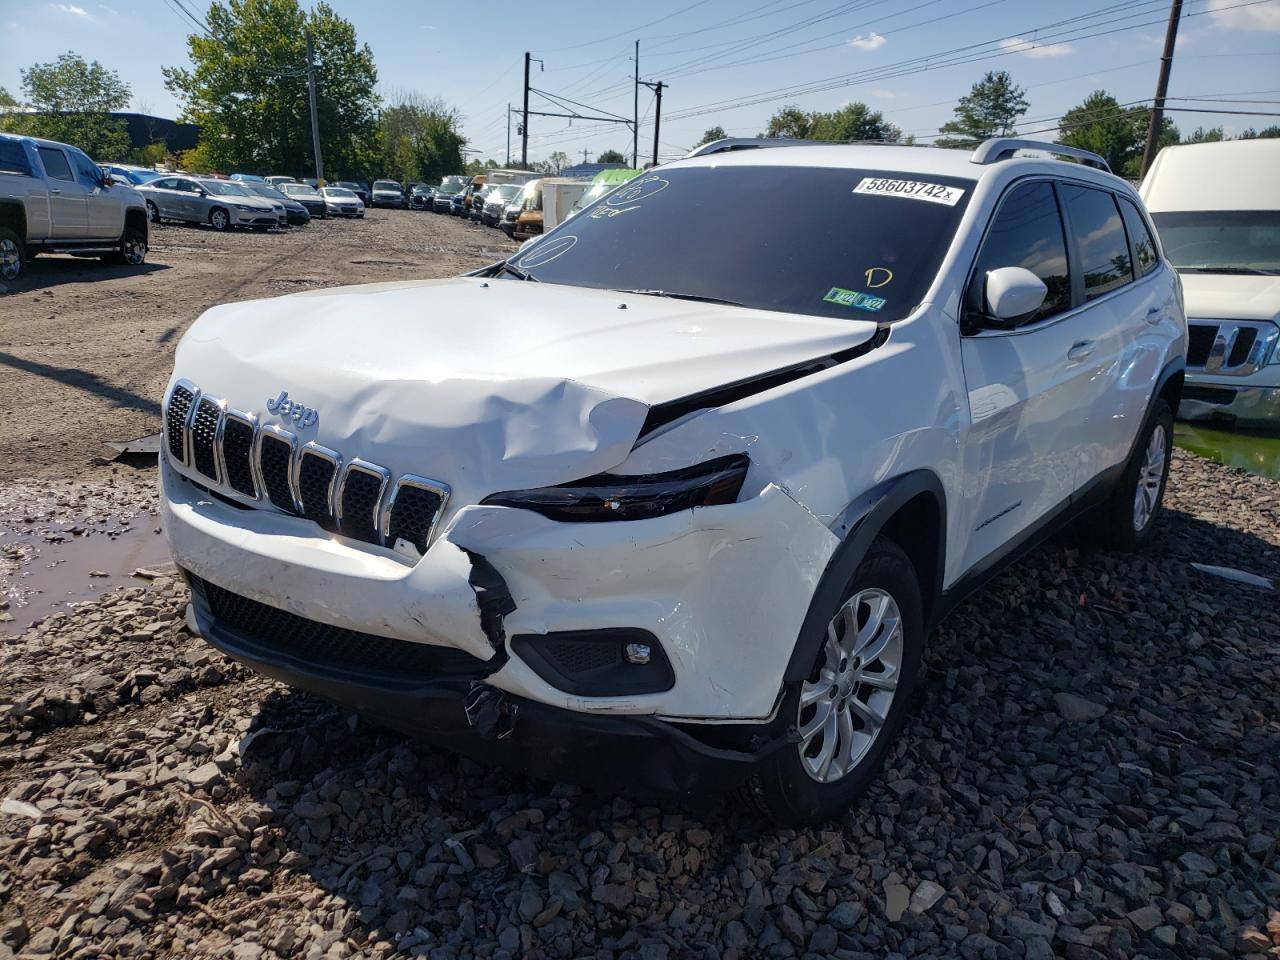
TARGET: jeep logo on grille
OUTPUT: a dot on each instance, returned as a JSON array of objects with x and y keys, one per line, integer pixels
[{"x": 288, "y": 409}]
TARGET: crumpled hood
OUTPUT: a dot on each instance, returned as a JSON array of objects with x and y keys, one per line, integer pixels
[
  {"x": 1216, "y": 296},
  {"x": 487, "y": 385}
]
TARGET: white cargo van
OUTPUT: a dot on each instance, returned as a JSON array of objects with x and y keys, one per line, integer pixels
[{"x": 1217, "y": 208}]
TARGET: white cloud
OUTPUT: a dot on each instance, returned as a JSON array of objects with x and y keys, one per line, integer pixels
[
  {"x": 71, "y": 9},
  {"x": 1029, "y": 48},
  {"x": 1259, "y": 16},
  {"x": 428, "y": 26},
  {"x": 883, "y": 94},
  {"x": 872, "y": 41}
]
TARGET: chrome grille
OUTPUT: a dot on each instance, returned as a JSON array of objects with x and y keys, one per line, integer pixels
[
  {"x": 357, "y": 499},
  {"x": 1230, "y": 348},
  {"x": 177, "y": 414},
  {"x": 204, "y": 432}
]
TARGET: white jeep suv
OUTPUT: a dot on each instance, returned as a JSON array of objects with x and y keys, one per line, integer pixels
[{"x": 672, "y": 498}]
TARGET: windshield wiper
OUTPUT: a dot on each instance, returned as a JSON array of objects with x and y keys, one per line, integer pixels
[
  {"x": 507, "y": 267},
  {"x": 685, "y": 296},
  {"x": 1233, "y": 271}
]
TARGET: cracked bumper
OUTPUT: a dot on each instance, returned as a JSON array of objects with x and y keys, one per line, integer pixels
[{"x": 723, "y": 589}]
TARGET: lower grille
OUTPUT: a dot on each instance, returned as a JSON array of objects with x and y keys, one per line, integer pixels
[
  {"x": 322, "y": 648},
  {"x": 175, "y": 425},
  {"x": 204, "y": 433},
  {"x": 1219, "y": 395}
]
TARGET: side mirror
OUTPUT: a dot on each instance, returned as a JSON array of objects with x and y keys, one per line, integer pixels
[
  {"x": 108, "y": 180},
  {"x": 1011, "y": 294}
]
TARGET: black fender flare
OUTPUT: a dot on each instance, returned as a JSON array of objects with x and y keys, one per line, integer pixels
[{"x": 858, "y": 525}]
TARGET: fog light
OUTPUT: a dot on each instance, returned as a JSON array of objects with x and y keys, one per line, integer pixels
[{"x": 637, "y": 652}]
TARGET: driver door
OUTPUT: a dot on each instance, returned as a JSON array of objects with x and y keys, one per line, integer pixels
[{"x": 1030, "y": 392}]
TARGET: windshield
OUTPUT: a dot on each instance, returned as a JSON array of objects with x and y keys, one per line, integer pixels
[
  {"x": 596, "y": 191},
  {"x": 1221, "y": 241},
  {"x": 339, "y": 192},
  {"x": 299, "y": 190},
  {"x": 385, "y": 185},
  {"x": 271, "y": 192},
  {"x": 454, "y": 184},
  {"x": 224, "y": 188},
  {"x": 507, "y": 191},
  {"x": 829, "y": 242}
]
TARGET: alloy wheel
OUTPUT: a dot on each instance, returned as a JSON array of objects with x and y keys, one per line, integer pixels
[
  {"x": 845, "y": 702},
  {"x": 135, "y": 250},
  {"x": 10, "y": 259},
  {"x": 1150, "y": 479},
  {"x": 218, "y": 219}
]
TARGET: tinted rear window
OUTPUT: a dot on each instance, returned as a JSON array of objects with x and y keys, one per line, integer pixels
[
  {"x": 1100, "y": 237},
  {"x": 55, "y": 163},
  {"x": 792, "y": 239}
]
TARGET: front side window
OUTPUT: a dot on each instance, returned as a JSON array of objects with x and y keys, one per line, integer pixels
[
  {"x": 1027, "y": 232},
  {"x": 55, "y": 164},
  {"x": 1100, "y": 239},
  {"x": 831, "y": 242},
  {"x": 1144, "y": 246},
  {"x": 87, "y": 174},
  {"x": 1222, "y": 241}
]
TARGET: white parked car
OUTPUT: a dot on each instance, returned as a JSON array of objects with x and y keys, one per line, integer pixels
[
  {"x": 673, "y": 498},
  {"x": 341, "y": 202},
  {"x": 1217, "y": 207}
]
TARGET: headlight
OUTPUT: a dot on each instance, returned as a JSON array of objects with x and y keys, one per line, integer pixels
[
  {"x": 244, "y": 206},
  {"x": 612, "y": 497}
]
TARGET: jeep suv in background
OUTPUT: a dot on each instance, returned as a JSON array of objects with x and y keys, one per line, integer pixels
[
  {"x": 54, "y": 199},
  {"x": 1217, "y": 207},
  {"x": 666, "y": 502}
]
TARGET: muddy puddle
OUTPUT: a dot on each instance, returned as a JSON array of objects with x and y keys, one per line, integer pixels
[
  {"x": 1256, "y": 452},
  {"x": 50, "y": 567}
]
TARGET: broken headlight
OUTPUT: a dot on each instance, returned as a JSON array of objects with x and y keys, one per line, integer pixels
[{"x": 611, "y": 497}]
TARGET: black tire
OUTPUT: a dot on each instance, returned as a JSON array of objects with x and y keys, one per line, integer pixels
[
  {"x": 153, "y": 212},
  {"x": 1117, "y": 524},
  {"x": 222, "y": 222},
  {"x": 133, "y": 247},
  {"x": 13, "y": 256},
  {"x": 782, "y": 789}
]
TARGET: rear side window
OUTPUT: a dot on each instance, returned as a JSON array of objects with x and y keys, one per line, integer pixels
[
  {"x": 1027, "y": 232},
  {"x": 13, "y": 159},
  {"x": 55, "y": 163},
  {"x": 1100, "y": 238},
  {"x": 1144, "y": 247}
]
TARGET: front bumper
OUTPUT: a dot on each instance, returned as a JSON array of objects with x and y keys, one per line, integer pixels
[
  {"x": 245, "y": 218},
  {"x": 471, "y": 717},
  {"x": 1252, "y": 402}
]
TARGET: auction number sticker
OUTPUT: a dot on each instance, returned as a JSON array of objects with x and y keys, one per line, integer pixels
[{"x": 911, "y": 190}]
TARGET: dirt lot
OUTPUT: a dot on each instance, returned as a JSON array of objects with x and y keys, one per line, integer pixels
[
  {"x": 86, "y": 348},
  {"x": 1091, "y": 771}
]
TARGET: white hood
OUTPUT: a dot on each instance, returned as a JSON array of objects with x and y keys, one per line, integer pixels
[
  {"x": 488, "y": 385},
  {"x": 1215, "y": 296}
]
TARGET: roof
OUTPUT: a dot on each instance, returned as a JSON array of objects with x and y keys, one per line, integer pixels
[{"x": 1226, "y": 175}]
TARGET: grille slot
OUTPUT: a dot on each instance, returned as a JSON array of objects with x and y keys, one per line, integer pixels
[
  {"x": 275, "y": 460},
  {"x": 317, "y": 469},
  {"x": 336, "y": 651},
  {"x": 175, "y": 427},
  {"x": 1200, "y": 338},
  {"x": 204, "y": 434},
  {"x": 1245, "y": 340},
  {"x": 359, "y": 496},
  {"x": 415, "y": 507},
  {"x": 237, "y": 454}
]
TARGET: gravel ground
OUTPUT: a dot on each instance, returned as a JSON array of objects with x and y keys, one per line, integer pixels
[{"x": 1091, "y": 772}]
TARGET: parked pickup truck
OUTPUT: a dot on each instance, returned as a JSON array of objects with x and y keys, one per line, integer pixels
[{"x": 54, "y": 199}]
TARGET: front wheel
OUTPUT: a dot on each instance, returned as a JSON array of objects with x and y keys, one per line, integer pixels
[
  {"x": 133, "y": 247},
  {"x": 1127, "y": 520},
  {"x": 12, "y": 255},
  {"x": 219, "y": 219},
  {"x": 851, "y": 706}
]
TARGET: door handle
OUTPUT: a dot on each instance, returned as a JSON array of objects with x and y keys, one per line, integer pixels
[
  {"x": 1080, "y": 350},
  {"x": 1155, "y": 315},
  {"x": 54, "y": 190}
]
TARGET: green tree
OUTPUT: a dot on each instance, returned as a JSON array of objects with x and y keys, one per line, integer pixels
[
  {"x": 1266, "y": 133},
  {"x": 712, "y": 134},
  {"x": 1101, "y": 125},
  {"x": 6, "y": 99},
  {"x": 611, "y": 156},
  {"x": 1201, "y": 135},
  {"x": 854, "y": 121},
  {"x": 72, "y": 100},
  {"x": 419, "y": 139},
  {"x": 247, "y": 89},
  {"x": 558, "y": 160},
  {"x": 990, "y": 109}
]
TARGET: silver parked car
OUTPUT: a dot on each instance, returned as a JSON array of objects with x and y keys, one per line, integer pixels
[
  {"x": 219, "y": 203},
  {"x": 341, "y": 202}
]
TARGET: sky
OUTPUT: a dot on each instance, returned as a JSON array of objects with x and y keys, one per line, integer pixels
[{"x": 731, "y": 64}]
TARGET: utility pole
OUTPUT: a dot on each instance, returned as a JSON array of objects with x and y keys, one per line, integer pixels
[
  {"x": 315, "y": 123},
  {"x": 508, "y": 134},
  {"x": 1162, "y": 87},
  {"x": 524, "y": 126},
  {"x": 635, "y": 114},
  {"x": 657, "y": 116},
  {"x": 586, "y": 155}
]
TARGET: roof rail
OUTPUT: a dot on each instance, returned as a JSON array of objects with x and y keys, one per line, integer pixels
[
  {"x": 1002, "y": 148},
  {"x": 748, "y": 143}
]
